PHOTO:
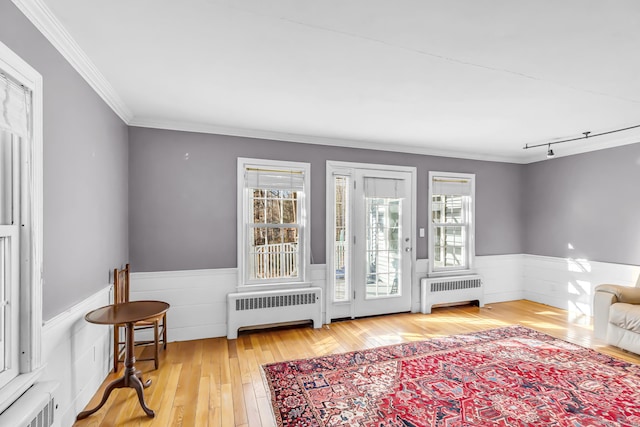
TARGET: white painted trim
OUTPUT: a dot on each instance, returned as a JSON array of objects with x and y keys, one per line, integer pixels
[
  {"x": 185, "y": 273},
  {"x": 471, "y": 246},
  {"x": 311, "y": 139},
  {"x": 45, "y": 21},
  {"x": 350, "y": 169},
  {"x": 243, "y": 219},
  {"x": 31, "y": 273}
]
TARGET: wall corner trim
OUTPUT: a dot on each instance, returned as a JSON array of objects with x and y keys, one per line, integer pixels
[{"x": 45, "y": 21}]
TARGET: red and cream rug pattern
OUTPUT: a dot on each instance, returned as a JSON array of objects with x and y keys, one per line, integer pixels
[{"x": 510, "y": 376}]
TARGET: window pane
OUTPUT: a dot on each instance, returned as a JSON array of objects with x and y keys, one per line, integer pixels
[
  {"x": 274, "y": 253},
  {"x": 289, "y": 211},
  {"x": 449, "y": 249},
  {"x": 341, "y": 240},
  {"x": 447, "y": 209},
  {"x": 258, "y": 211},
  {"x": 6, "y": 178}
]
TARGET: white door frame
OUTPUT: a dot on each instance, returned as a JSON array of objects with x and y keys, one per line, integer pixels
[{"x": 333, "y": 166}]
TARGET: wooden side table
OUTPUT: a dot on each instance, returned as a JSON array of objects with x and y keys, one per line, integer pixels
[{"x": 126, "y": 313}]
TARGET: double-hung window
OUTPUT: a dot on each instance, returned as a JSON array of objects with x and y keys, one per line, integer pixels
[
  {"x": 451, "y": 217},
  {"x": 20, "y": 225},
  {"x": 273, "y": 218}
]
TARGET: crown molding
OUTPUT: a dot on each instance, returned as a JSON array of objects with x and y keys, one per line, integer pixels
[
  {"x": 45, "y": 21},
  {"x": 310, "y": 139}
]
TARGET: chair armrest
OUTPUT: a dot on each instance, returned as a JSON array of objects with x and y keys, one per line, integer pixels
[{"x": 625, "y": 294}]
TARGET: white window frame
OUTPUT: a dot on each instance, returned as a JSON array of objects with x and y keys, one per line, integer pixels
[
  {"x": 304, "y": 204},
  {"x": 30, "y": 307},
  {"x": 470, "y": 246}
]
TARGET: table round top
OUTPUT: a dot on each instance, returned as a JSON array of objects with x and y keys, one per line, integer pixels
[{"x": 127, "y": 312}]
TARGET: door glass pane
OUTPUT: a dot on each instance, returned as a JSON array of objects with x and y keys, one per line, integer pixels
[
  {"x": 6, "y": 178},
  {"x": 342, "y": 249},
  {"x": 383, "y": 246},
  {"x": 4, "y": 283}
]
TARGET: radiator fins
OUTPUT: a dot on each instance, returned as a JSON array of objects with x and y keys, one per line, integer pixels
[
  {"x": 275, "y": 301},
  {"x": 455, "y": 285}
]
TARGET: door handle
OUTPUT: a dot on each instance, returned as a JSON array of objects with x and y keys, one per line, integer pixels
[{"x": 407, "y": 249}]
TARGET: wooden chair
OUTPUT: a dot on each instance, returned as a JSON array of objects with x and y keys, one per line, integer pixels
[{"x": 158, "y": 324}]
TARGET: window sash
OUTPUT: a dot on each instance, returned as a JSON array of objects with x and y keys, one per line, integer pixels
[
  {"x": 451, "y": 216},
  {"x": 274, "y": 206}
]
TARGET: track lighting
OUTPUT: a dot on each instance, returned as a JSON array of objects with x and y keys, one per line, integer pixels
[{"x": 550, "y": 152}]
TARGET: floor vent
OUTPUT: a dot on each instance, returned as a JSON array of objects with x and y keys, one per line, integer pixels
[
  {"x": 35, "y": 408},
  {"x": 447, "y": 290},
  {"x": 273, "y": 307}
]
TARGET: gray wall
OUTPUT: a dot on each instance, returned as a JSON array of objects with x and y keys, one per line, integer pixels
[
  {"x": 85, "y": 173},
  {"x": 590, "y": 200},
  {"x": 183, "y": 208}
]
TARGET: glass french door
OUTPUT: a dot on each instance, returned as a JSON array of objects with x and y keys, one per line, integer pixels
[{"x": 372, "y": 242}]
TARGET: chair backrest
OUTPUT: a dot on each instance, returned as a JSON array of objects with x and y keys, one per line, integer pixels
[{"x": 121, "y": 285}]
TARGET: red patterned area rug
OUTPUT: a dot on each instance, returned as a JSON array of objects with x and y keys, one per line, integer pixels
[{"x": 510, "y": 376}]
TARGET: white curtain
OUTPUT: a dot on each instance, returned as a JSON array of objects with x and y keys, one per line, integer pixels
[{"x": 15, "y": 107}]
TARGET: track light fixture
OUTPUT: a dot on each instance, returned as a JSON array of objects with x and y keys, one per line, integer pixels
[
  {"x": 550, "y": 152},
  {"x": 587, "y": 134}
]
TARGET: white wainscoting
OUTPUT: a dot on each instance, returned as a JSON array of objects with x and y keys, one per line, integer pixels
[
  {"x": 198, "y": 298},
  {"x": 77, "y": 355},
  {"x": 569, "y": 283},
  {"x": 502, "y": 277}
]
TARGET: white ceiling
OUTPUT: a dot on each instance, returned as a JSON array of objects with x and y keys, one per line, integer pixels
[{"x": 467, "y": 78}]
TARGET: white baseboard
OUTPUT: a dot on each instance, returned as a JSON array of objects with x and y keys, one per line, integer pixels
[{"x": 77, "y": 355}]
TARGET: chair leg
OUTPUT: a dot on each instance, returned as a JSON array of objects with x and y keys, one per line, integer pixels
[
  {"x": 164, "y": 331},
  {"x": 156, "y": 345},
  {"x": 116, "y": 347}
]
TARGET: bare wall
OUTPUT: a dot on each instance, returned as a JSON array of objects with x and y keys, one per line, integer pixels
[
  {"x": 85, "y": 173},
  {"x": 585, "y": 206},
  {"x": 182, "y": 196}
]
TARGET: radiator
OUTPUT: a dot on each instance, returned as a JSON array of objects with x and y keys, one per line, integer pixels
[
  {"x": 446, "y": 290},
  {"x": 35, "y": 408},
  {"x": 272, "y": 307}
]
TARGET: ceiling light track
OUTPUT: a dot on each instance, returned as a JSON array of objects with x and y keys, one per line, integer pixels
[{"x": 586, "y": 135}]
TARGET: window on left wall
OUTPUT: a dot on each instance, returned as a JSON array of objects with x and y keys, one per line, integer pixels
[
  {"x": 273, "y": 218},
  {"x": 20, "y": 226}
]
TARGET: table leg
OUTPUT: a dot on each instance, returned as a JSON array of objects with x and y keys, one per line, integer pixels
[
  {"x": 119, "y": 383},
  {"x": 132, "y": 378}
]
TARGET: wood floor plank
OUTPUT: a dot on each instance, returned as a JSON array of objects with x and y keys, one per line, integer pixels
[{"x": 218, "y": 382}]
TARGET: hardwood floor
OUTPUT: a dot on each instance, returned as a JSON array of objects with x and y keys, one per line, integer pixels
[{"x": 216, "y": 382}]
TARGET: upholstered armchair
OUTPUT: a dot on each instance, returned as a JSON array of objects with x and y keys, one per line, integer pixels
[{"x": 616, "y": 315}]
